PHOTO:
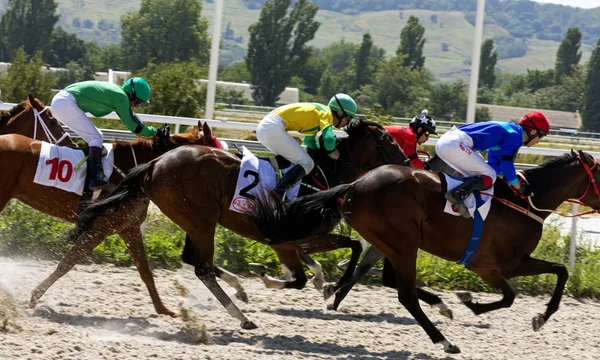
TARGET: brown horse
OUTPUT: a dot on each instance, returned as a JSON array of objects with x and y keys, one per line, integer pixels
[
  {"x": 194, "y": 186},
  {"x": 18, "y": 159},
  {"x": 32, "y": 119},
  {"x": 400, "y": 209}
]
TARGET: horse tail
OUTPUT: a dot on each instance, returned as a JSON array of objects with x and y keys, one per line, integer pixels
[
  {"x": 277, "y": 222},
  {"x": 132, "y": 187}
]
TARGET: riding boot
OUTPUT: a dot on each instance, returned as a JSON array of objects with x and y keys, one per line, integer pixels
[
  {"x": 95, "y": 171},
  {"x": 290, "y": 178},
  {"x": 460, "y": 193}
]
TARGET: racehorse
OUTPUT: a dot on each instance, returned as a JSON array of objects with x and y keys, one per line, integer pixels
[
  {"x": 32, "y": 119},
  {"x": 194, "y": 187},
  {"x": 19, "y": 158},
  {"x": 400, "y": 209}
]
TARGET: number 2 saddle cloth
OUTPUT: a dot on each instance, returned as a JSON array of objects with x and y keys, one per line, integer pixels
[
  {"x": 256, "y": 177},
  {"x": 57, "y": 167}
]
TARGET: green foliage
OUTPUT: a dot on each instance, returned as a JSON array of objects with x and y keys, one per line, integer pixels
[
  {"x": 539, "y": 79},
  {"x": 509, "y": 47},
  {"x": 364, "y": 68},
  {"x": 411, "y": 44},
  {"x": 567, "y": 96},
  {"x": 449, "y": 101},
  {"x": 164, "y": 31},
  {"x": 591, "y": 101},
  {"x": 174, "y": 88},
  {"x": 26, "y": 77},
  {"x": 73, "y": 72},
  {"x": 487, "y": 66},
  {"x": 27, "y": 24},
  {"x": 235, "y": 73},
  {"x": 64, "y": 48},
  {"x": 568, "y": 54},
  {"x": 276, "y": 48}
]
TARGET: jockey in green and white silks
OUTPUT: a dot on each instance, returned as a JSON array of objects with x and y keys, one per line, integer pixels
[{"x": 101, "y": 98}]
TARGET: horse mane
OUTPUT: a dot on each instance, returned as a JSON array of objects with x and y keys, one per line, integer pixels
[
  {"x": 6, "y": 115},
  {"x": 151, "y": 143},
  {"x": 356, "y": 127},
  {"x": 553, "y": 164}
]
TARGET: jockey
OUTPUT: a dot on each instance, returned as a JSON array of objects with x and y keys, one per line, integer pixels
[
  {"x": 458, "y": 149},
  {"x": 416, "y": 133},
  {"x": 101, "y": 98},
  {"x": 308, "y": 119}
]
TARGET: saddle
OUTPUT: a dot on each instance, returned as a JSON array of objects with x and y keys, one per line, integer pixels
[
  {"x": 86, "y": 150},
  {"x": 278, "y": 162}
]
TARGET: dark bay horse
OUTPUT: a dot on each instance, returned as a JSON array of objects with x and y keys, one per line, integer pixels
[
  {"x": 18, "y": 161},
  {"x": 31, "y": 118},
  {"x": 194, "y": 187},
  {"x": 400, "y": 209}
]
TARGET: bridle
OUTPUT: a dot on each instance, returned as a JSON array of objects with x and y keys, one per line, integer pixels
[{"x": 38, "y": 120}]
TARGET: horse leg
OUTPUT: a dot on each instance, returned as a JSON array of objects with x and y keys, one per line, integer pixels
[
  {"x": 82, "y": 247},
  {"x": 233, "y": 281},
  {"x": 331, "y": 242},
  {"x": 290, "y": 258},
  {"x": 531, "y": 266},
  {"x": 203, "y": 240},
  {"x": 372, "y": 255},
  {"x": 495, "y": 279},
  {"x": 406, "y": 275},
  {"x": 316, "y": 268},
  {"x": 132, "y": 236}
]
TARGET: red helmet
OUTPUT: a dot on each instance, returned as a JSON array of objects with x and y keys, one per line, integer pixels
[{"x": 535, "y": 120}]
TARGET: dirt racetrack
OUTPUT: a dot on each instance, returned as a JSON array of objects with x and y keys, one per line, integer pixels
[{"x": 104, "y": 312}]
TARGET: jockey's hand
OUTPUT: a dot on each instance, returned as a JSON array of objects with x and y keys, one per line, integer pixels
[
  {"x": 524, "y": 189},
  {"x": 426, "y": 166},
  {"x": 163, "y": 132},
  {"x": 335, "y": 154}
]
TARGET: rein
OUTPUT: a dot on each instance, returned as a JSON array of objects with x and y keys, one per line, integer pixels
[
  {"x": 38, "y": 120},
  {"x": 591, "y": 181}
]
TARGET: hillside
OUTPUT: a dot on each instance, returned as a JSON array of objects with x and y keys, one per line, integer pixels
[{"x": 450, "y": 27}]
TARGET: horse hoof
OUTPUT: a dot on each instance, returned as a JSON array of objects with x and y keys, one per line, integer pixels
[
  {"x": 241, "y": 295},
  {"x": 538, "y": 322},
  {"x": 318, "y": 281},
  {"x": 330, "y": 307},
  {"x": 168, "y": 312},
  {"x": 258, "y": 269},
  {"x": 248, "y": 325},
  {"x": 447, "y": 313},
  {"x": 328, "y": 291},
  {"x": 450, "y": 348},
  {"x": 464, "y": 296}
]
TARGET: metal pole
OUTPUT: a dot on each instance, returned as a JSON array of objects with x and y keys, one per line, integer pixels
[
  {"x": 475, "y": 60},
  {"x": 214, "y": 60},
  {"x": 573, "y": 247}
]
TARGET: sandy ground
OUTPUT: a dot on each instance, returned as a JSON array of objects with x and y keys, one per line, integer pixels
[{"x": 104, "y": 312}]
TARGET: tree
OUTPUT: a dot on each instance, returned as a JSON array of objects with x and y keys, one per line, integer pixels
[
  {"x": 277, "y": 46},
  {"x": 411, "y": 44},
  {"x": 235, "y": 73},
  {"x": 568, "y": 54},
  {"x": 363, "y": 70},
  {"x": 25, "y": 77},
  {"x": 27, "y": 24},
  {"x": 164, "y": 31},
  {"x": 174, "y": 88},
  {"x": 591, "y": 98},
  {"x": 487, "y": 66},
  {"x": 64, "y": 48},
  {"x": 88, "y": 24}
]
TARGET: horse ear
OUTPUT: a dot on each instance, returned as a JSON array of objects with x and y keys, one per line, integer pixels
[
  {"x": 34, "y": 103},
  {"x": 206, "y": 130},
  {"x": 573, "y": 153}
]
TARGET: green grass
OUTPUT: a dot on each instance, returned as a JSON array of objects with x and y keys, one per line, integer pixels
[{"x": 384, "y": 26}]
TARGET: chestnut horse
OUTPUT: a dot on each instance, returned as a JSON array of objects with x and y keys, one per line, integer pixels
[
  {"x": 19, "y": 158},
  {"x": 31, "y": 118},
  {"x": 194, "y": 187},
  {"x": 400, "y": 209}
]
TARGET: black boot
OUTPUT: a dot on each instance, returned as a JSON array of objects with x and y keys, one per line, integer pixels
[
  {"x": 290, "y": 178},
  {"x": 459, "y": 193},
  {"x": 95, "y": 171}
]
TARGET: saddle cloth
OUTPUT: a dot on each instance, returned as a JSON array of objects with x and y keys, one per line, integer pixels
[
  {"x": 56, "y": 167},
  {"x": 470, "y": 201},
  {"x": 256, "y": 177}
]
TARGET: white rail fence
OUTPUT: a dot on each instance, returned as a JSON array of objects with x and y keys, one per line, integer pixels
[{"x": 111, "y": 134}]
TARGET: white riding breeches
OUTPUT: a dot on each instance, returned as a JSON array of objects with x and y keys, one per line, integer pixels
[
  {"x": 271, "y": 133},
  {"x": 65, "y": 108},
  {"x": 456, "y": 149}
]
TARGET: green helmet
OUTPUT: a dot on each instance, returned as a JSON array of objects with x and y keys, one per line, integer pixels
[
  {"x": 138, "y": 88},
  {"x": 344, "y": 103}
]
